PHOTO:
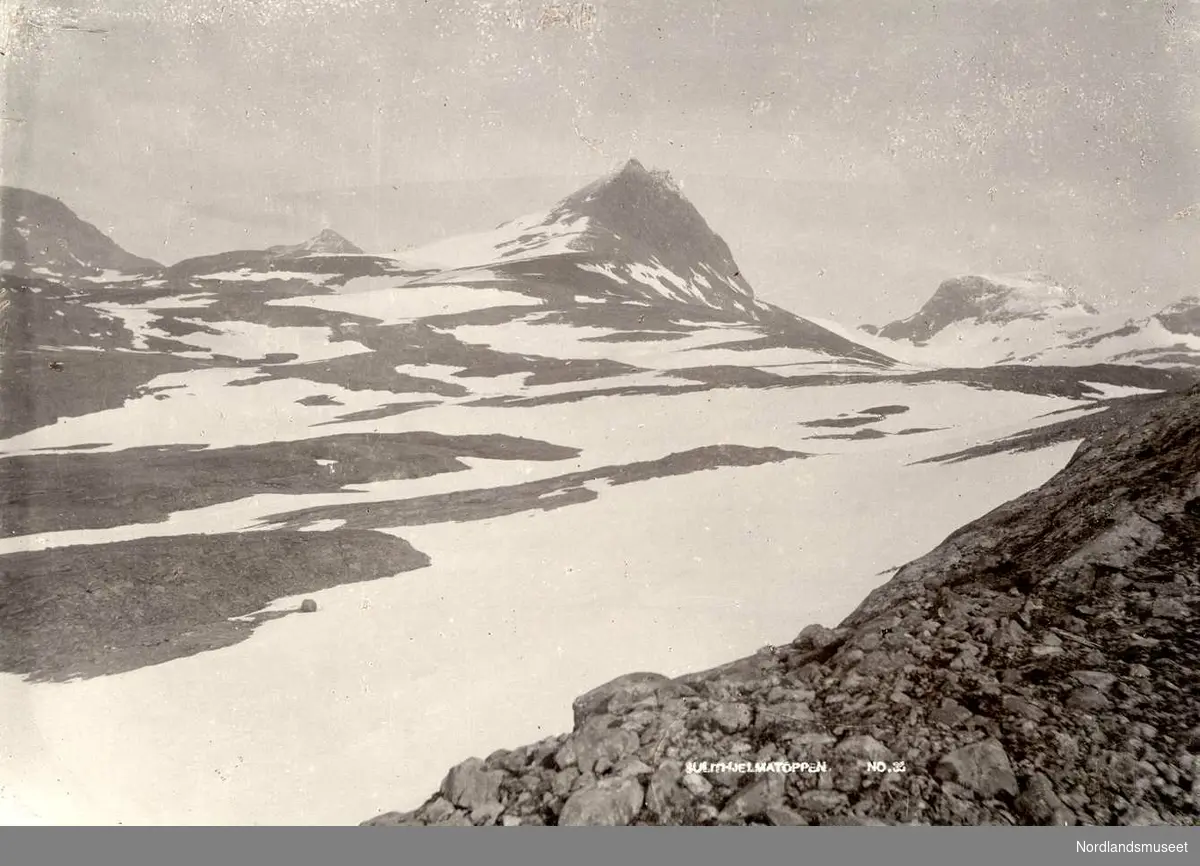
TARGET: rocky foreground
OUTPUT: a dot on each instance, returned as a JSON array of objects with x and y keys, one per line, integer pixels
[{"x": 1039, "y": 667}]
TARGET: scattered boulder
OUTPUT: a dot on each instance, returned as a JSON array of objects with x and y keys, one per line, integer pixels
[
  {"x": 754, "y": 800},
  {"x": 732, "y": 717},
  {"x": 308, "y": 606},
  {"x": 471, "y": 786},
  {"x": 625, "y": 691},
  {"x": 821, "y": 801},
  {"x": 597, "y": 741},
  {"x": 982, "y": 767},
  {"x": 613, "y": 802},
  {"x": 1088, "y": 700},
  {"x": 1040, "y": 805},
  {"x": 815, "y": 637}
]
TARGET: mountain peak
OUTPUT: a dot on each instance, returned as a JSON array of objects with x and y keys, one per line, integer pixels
[
  {"x": 646, "y": 212},
  {"x": 633, "y": 173},
  {"x": 325, "y": 242},
  {"x": 994, "y": 299}
]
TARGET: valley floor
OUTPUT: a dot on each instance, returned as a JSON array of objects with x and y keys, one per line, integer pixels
[{"x": 328, "y": 717}]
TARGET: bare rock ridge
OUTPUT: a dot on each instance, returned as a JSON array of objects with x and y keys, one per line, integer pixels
[
  {"x": 40, "y": 232},
  {"x": 1038, "y": 667}
]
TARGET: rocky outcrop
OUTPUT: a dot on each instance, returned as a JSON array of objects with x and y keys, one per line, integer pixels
[{"x": 1038, "y": 667}]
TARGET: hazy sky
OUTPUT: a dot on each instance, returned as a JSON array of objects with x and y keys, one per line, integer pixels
[{"x": 853, "y": 154}]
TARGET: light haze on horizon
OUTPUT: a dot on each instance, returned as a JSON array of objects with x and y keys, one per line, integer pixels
[{"x": 853, "y": 155}]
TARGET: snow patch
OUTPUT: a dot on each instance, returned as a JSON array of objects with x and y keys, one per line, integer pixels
[
  {"x": 604, "y": 271},
  {"x": 392, "y": 305},
  {"x": 525, "y": 238},
  {"x": 250, "y": 275}
]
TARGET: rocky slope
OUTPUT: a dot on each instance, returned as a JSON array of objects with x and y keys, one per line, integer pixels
[
  {"x": 40, "y": 234},
  {"x": 1038, "y": 667}
]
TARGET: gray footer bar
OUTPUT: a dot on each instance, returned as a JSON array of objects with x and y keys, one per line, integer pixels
[{"x": 694, "y": 846}]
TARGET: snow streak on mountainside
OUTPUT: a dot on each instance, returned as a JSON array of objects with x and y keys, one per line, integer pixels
[
  {"x": 978, "y": 321},
  {"x": 634, "y": 227}
]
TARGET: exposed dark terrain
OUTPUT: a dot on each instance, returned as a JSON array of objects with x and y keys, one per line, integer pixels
[
  {"x": 571, "y": 489},
  {"x": 40, "y": 492},
  {"x": 103, "y": 609},
  {"x": 1038, "y": 667}
]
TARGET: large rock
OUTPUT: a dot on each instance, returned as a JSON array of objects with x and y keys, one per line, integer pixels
[
  {"x": 472, "y": 787},
  {"x": 981, "y": 767},
  {"x": 671, "y": 792},
  {"x": 596, "y": 740},
  {"x": 732, "y": 716},
  {"x": 624, "y": 692},
  {"x": 612, "y": 802},
  {"x": 755, "y": 799},
  {"x": 1038, "y": 804},
  {"x": 815, "y": 637},
  {"x": 863, "y": 747}
]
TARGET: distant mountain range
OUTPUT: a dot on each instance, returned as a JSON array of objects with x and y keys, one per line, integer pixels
[
  {"x": 1031, "y": 318},
  {"x": 633, "y": 234}
]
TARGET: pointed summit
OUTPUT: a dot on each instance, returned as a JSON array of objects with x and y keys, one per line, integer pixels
[
  {"x": 633, "y": 167},
  {"x": 646, "y": 214},
  {"x": 326, "y": 242}
]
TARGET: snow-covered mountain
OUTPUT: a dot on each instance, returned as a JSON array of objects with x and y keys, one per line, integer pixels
[
  {"x": 1182, "y": 318},
  {"x": 627, "y": 241},
  {"x": 634, "y": 227},
  {"x": 41, "y": 235},
  {"x": 980, "y": 321},
  {"x": 1168, "y": 339}
]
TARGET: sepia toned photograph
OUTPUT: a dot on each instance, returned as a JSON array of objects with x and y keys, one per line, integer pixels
[{"x": 507, "y": 413}]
